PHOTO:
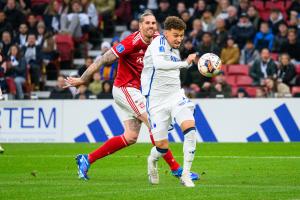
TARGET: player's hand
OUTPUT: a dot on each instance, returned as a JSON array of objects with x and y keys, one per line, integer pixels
[
  {"x": 191, "y": 58},
  {"x": 73, "y": 82}
]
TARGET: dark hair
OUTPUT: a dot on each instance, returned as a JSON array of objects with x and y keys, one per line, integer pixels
[{"x": 173, "y": 22}]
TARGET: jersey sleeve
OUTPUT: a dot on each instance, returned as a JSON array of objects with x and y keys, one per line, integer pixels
[
  {"x": 160, "y": 56},
  {"x": 123, "y": 48}
]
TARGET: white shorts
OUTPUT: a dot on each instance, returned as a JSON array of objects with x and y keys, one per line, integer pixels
[
  {"x": 130, "y": 100},
  {"x": 163, "y": 110}
]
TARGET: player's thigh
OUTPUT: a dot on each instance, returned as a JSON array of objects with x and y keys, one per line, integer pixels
[
  {"x": 183, "y": 112},
  {"x": 130, "y": 100},
  {"x": 160, "y": 120}
]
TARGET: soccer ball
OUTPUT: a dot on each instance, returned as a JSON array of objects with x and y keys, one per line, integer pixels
[{"x": 209, "y": 65}]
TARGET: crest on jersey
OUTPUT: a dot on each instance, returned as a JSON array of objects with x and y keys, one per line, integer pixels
[
  {"x": 161, "y": 49},
  {"x": 120, "y": 48}
]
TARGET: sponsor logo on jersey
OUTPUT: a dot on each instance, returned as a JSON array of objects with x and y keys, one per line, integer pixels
[
  {"x": 139, "y": 60},
  {"x": 161, "y": 49},
  {"x": 120, "y": 48},
  {"x": 141, "y": 51}
]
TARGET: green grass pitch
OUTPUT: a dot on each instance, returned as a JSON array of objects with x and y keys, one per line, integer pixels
[{"x": 229, "y": 171}]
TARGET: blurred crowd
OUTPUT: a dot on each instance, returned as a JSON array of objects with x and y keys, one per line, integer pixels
[{"x": 258, "y": 42}]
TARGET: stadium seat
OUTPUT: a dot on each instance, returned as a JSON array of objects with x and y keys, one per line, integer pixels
[
  {"x": 259, "y": 5},
  {"x": 244, "y": 80},
  {"x": 265, "y": 15},
  {"x": 231, "y": 80},
  {"x": 296, "y": 90},
  {"x": 274, "y": 56},
  {"x": 287, "y": 4},
  {"x": 65, "y": 46},
  {"x": 238, "y": 70},
  {"x": 298, "y": 69},
  {"x": 251, "y": 91},
  {"x": 39, "y": 2},
  {"x": 275, "y": 5}
]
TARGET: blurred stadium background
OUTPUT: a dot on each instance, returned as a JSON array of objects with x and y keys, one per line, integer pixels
[{"x": 244, "y": 104}]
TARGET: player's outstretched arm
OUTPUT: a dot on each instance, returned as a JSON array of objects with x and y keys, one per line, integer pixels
[
  {"x": 108, "y": 58},
  {"x": 160, "y": 62}
]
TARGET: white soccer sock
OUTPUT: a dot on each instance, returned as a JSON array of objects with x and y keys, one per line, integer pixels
[
  {"x": 155, "y": 154},
  {"x": 189, "y": 148}
]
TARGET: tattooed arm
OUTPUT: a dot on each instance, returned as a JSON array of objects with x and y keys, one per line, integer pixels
[{"x": 108, "y": 58}]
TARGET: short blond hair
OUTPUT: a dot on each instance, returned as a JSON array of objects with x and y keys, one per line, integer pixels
[{"x": 173, "y": 22}]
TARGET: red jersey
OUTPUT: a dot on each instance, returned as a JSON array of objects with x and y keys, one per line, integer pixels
[{"x": 130, "y": 52}]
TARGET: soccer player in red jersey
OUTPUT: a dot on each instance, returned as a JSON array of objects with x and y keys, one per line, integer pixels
[{"x": 126, "y": 93}]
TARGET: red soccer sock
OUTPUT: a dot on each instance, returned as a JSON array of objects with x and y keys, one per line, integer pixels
[
  {"x": 110, "y": 146},
  {"x": 169, "y": 158}
]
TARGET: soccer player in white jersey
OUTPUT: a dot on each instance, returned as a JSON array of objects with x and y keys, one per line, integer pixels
[{"x": 166, "y": 100}]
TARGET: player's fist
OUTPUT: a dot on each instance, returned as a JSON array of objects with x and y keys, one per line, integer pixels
[
  {"x": 73, "y": 82},
  {"x": 191, "y": 58}
]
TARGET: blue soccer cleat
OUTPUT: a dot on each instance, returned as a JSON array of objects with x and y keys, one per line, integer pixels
[
  {"x": 177, "y": 173},
  {"x": 83, "y": 165}
]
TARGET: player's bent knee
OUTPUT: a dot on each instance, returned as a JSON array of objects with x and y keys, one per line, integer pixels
[{"x": 131, "y": 137}]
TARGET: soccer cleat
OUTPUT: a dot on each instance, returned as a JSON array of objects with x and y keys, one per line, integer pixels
[
  {"x": 186, "y": 180},
  {"x": 152, "y": 171},
  {"x": 83, "y": 165},
  {"x": 177, "y": 173},
  {"x": 1, "y": 149}
]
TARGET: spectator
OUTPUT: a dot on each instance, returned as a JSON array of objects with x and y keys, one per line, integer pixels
[
  {"x": 107, "y": 91},
  {"x": 220, "y": 33},
  {"x": 76, "y": 22},
  {"x": 243, "y": 31},
  {"x": 4, "y": 24},
  {"x": 264, "y": 38},
  {"x": 286, "y": 72},
  {"x": 231, "y": 53},
  {"x": 220, "y": 88},
  {"x": 32, "y": 23},
  {"x": 232, "y": 18},
  {"x": 186, "y": 17},
  {"x": 263, "y": 68},
  {"x": 108, "y": 72},
  {"x": 16, "y": 69},
  {"x": 242, "y": 93},
  {"x": 199, "y": 10},
  {"x": 21, "y": 37},
  {"x": 59, "y": 92},
  {"x": 134, "y": 26},
  {"x": 52, "y": 16},
  {"x": 260, "y": 92},
  {"x": 5, "y": 43},
  {"x": 188, "y": 48},
  {"x": 275, "y": 20},
  {"x": 95, "y": 87},
  {"x": 88, "y": 61},
  {"x": 106, "y": 9},
  {"x": 275, "y": 89},
  {"x": 254, "y": 17},
  {"x": 280, "y": 39},
  {"x": 90, "y": 9},
  {"x": 207, "y": 45},
  {"x": 293, "y": 20},
  {"x": 41, "y": 31},
  {"x": 33, "y": 57},
  {"x": 14, "y": 16},
  {"x": 243, "y": 6},
  {"x": 208, "y": 21},
  {"x": 249, "y": 54},
  {"x": 222, "y": 9},
  {"x": 292, "y": 47},
  {"x": 197, "y": 32},
  {"x": 180, "y": 8},
  {"x": 122, "y": 9},
  {"x": 163, "y": 11},
  {"x": 3, "y": 85},
  {"x": 83, "y": 93}
]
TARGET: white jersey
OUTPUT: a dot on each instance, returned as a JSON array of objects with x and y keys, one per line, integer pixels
[{"x": 162, "y": 63}]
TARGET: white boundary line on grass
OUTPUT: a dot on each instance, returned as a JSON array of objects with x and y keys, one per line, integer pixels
[{"x": 144, "y": 156}]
